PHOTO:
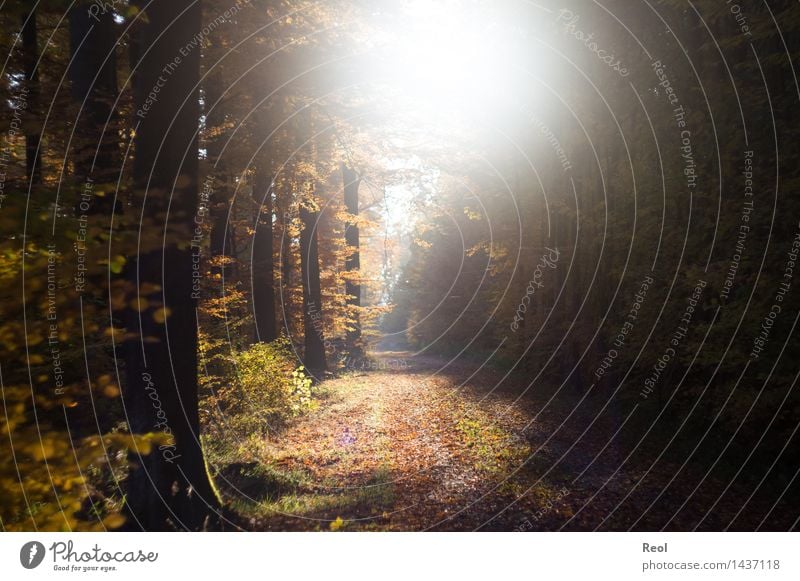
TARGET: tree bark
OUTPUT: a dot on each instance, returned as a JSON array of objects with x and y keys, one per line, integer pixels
[
  {"x": 353, "y": 262},
  {"x": 314, "y": 339},
  {"x": 30, "y": 50},
  {"x": 170, "y": 487},
  {"x": 94, "y": 146},
  {"x": 262, "y": 268},
  {"x": 93, "y": 84},
  {"x": 286, "y": 267},
  {"x": 219, "y": 243}
]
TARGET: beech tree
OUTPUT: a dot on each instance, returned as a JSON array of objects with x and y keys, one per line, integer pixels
[
  {"x": 314, "y": 341},
  {"x": 33, "y": 137},
  {"x": 263, "y": 268},
  {"x": 93, "y": 84},
  {"x": 169, "y": 486},
  {"x": 353, "y": 262}
]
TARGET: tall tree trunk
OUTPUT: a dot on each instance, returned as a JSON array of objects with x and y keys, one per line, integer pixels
[
  {"x": 286, "y": 268},
  {"x": 30, "y": 49},
  {"x": 353, "y": 263},
  {"x": 220, "y": 204},
  {"x": 222, "y": 242},
  {"x": 93, "y": 84},
  {"x": 262, "y": 269},
  {"x": 313, "y": 334},
  {"x": 170, "y": 487}
]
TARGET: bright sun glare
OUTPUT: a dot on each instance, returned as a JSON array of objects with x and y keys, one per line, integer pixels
[{"x": 448, "y": 55}]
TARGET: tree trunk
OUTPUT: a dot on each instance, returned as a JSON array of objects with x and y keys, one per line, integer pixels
[
  {"x": 170, "y": 487},
  {"x": 93, "y": 84},
  {"x": 262, "y": 268},
  {"x": 313, "y": 334},
  {"x": 353, "y": 263},
  {"x": 219, "y": 246},
  {"x": 30, "y": 50},
  {"x": 286, "y": 268}
]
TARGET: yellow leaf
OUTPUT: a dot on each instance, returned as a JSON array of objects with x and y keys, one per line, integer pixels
[
  {"x": 337, "y": 524},
  {"x": 46, "y": 450},
  {"x": 143, "y": 446},
  {"x": 117, "y": 264},
  {"x": 161, "y": 315},
  {"x": 140, "y": 304},
  {"x": 111, "y": 390},
  {"x": 148, "y": 288},
  {"x": 114, "y": 521}
]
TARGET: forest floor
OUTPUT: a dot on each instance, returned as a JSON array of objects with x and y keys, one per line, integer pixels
[{"x": 416, "y": 447}]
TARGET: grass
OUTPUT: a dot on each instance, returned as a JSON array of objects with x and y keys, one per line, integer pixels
[
  {"x": 291, "y": 493},
  {"x": 260, "y": 482}
]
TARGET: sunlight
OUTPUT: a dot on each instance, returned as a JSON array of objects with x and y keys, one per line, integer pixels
[
  {"x": 449, "y": 56},
  {"x": 394, "y": 266}
]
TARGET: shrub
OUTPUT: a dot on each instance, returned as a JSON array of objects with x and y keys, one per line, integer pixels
[{"x": 264, "y": 388}]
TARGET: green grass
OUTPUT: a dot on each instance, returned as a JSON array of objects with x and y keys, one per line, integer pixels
[
  {"x": 260, "y": 482},
  {"x": 291, "y": 493}
]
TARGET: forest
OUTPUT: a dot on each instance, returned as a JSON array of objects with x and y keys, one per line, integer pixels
[{"x": 399, "y": 265}]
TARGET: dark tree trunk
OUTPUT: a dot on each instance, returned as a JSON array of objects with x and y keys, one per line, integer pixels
[
  {"x": 170, "y": 487},
  {"x": 93, "y": 83},
  {"x": 286, "y": 278},
  {"x": 262, "y": 269},
  {"x": 353, "y": 262},
  {"x": 219, "y": 246},
  {"x": 30, "y": 50},
  {"x": 313, "y": 334}
]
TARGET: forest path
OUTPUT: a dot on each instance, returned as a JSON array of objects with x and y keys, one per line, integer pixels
[
  {"x": 409, "y": 445},
  {"x": 406, "y": 446}
]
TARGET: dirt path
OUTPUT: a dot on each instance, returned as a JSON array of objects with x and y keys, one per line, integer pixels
[
  {"x": 409, "y": 448},
  {"x": 402, "y": 448}
]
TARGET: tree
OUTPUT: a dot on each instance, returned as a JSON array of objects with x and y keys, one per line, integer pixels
[
  {"x": 220, "y": 205},
  {"x": 93, "y": 84},
  {"x": 263, "y": 270},
  {"x": 353, "y": 262},
  {"x": 33, "y": 138},
  {"x": 170, "y": 486},
  {"x": 314, "y": 356}
]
